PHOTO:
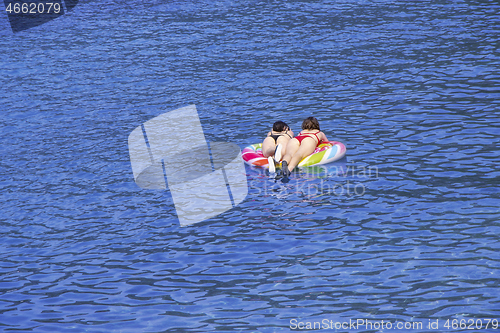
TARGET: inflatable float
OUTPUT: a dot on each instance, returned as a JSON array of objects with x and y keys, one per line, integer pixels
[{"x": 326, "y": 152}]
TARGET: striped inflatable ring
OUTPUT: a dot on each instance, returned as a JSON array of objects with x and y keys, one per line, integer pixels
[{"x": 326, "y": 152}]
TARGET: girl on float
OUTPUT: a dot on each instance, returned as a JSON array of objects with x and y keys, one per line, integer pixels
[
  {"x": 302, "y": 145},
  {"x": 274, "y": 145}
]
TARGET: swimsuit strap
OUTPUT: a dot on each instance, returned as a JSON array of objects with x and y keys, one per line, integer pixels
[
  {"x": 278, "y": 135},
  {"x": 315, "y": 134}
]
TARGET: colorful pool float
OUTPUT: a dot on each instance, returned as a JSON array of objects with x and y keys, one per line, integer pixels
[{"x": 326, "y": 152}]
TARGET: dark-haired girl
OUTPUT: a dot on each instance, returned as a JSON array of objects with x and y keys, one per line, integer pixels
[{"x": 277, "y": 140}]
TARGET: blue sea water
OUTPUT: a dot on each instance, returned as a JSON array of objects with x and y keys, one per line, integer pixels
[{"x": 404, "y": 230}]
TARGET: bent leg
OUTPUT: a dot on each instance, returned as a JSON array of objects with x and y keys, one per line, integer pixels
[
  {"x": 291, "y": 147},
  {"x": 306, "y": 148},
  {"x": 283, "y": 141}
]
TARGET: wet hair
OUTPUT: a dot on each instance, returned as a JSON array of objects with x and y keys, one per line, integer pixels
[
  {"x": 310, "y": 123},
  {"x": 280, "y": 126}
]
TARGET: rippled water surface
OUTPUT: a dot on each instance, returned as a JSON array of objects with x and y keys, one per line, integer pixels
[{"x": 411, "y": 88}]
